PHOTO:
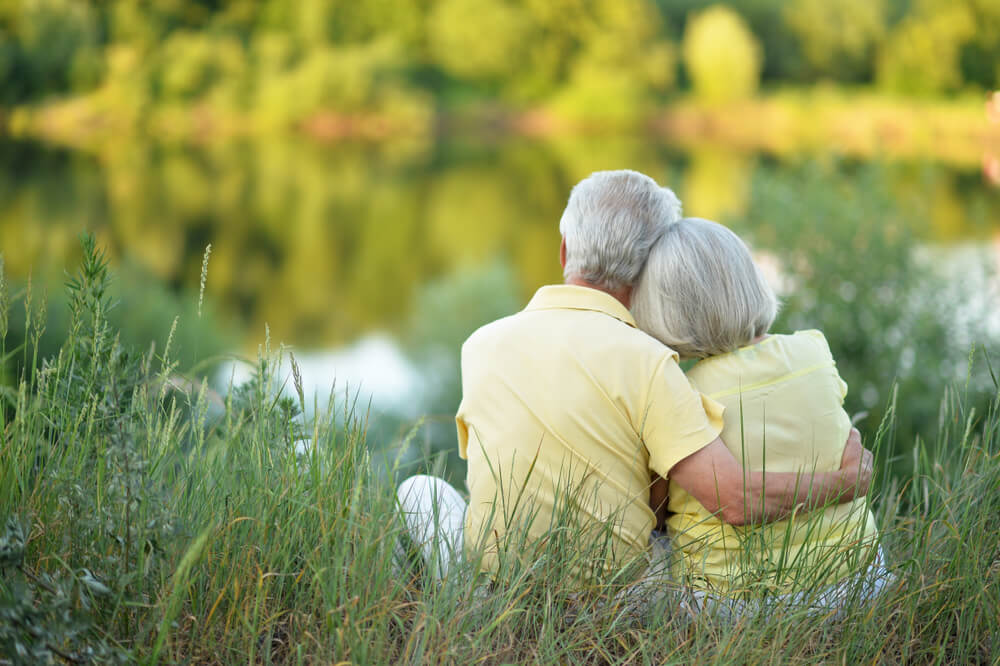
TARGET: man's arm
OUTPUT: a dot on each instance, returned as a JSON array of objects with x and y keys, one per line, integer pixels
[{"x": 714, "y": 477}]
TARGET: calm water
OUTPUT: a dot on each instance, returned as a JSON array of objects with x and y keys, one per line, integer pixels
[{"x": 375, "y": 260}]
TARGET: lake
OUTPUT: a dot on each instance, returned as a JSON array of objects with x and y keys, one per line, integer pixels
[{"x": 374, "y": 261}]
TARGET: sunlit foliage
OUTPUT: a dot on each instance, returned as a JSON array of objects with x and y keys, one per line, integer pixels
[
  {"x": 478, "y": 39},
  {"x": 923, "y": 54},
  {"x": 366, "y": 68},
  {"x": 721, "y": 55},
  {"x": 838, "y": 37}
]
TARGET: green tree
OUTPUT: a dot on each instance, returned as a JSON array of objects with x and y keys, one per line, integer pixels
[
  {"x": 782, "y": 57},
  {"x": 922, "y": 55},
  {"x": 476, "y": 39},
  {"x": 557, "y": 29},
  {"x": 980, "y": 57},
  {"x": 318, "y": 22},
  {"x": 721, "y": 55},
  {"x": 838, "y": 38},
  {"x": 47, "y": 46},
  {"x": 193, "y": 63},
  {"x": 622, "y": 58}
]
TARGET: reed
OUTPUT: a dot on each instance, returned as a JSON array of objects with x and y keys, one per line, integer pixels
[{"x": 142, "y": 523}]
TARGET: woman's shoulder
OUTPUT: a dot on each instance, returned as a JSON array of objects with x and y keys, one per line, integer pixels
[
  {"x": 749, "y": 364},
  {"x": 809, "y": 341},
  {"x": 778, "y": 358},
  {"x": 777, "y": 353},
  {"x": 773, "y": 345}
]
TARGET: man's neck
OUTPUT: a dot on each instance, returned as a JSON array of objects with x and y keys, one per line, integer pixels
[{"x": 623, "y": 295}]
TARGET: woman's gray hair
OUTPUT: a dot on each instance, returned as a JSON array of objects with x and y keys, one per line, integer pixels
[
  {"x": 611, "y": 221},
  {"x": 701, "y": 293}
]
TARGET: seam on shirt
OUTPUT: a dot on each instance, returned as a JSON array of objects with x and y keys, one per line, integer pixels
[
  {"x": 772, "y": 382},
  {"x": 810, "y": 332},
  {"x": 582, "y": 308},
  {"x": 649, "y": 390},
  {"x": 671, "y": 354}
]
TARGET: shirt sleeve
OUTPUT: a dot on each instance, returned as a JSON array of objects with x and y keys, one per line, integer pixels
[{"x": 678, "y": 420}]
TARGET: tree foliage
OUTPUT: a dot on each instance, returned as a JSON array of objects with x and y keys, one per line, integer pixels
[
  {"x": 476, "y": 39},
  {"x": 721, "y": 55},
  {"x": 923, "y": 54},
  {"x": 282, "y": 62},
  {"x": 838, "y": 38}
]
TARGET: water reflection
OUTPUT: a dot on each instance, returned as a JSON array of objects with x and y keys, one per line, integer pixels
[
  {"x": 372, "y": 371},
  {"x": 392, "y": 254},
  {"x": 717, "y": 183},
  {"x": 327, "y": 243}
]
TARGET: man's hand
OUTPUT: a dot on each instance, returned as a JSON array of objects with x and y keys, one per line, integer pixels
[{"x": 857, "y": 465}]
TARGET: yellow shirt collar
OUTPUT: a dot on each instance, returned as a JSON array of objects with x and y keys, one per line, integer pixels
[{"x": 574, "y": 297}]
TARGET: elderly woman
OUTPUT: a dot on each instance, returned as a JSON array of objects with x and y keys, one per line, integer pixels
[{"x": 702, "y": 295}]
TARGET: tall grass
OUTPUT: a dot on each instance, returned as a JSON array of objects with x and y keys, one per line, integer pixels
[{"x": 140, "y": 523}]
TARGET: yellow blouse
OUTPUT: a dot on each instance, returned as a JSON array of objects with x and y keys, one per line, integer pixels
[{"x": 783, "y": 412}]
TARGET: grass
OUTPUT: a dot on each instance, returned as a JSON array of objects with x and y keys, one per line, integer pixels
[{"x": 142, "y": 524}]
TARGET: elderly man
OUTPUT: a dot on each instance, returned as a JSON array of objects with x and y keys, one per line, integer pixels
[{"x": 568, "y": 404}]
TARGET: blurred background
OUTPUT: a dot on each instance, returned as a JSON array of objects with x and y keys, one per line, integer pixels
[{"x": 379, "y": 178}]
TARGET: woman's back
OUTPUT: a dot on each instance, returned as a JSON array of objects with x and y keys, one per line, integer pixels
[{"x": 783, "y": 400}]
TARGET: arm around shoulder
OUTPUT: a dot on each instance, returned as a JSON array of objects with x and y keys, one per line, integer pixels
[{"x": 714, "y": 477}]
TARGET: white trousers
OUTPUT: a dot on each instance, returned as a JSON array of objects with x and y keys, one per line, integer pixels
[{"x": 434, "y": 514}]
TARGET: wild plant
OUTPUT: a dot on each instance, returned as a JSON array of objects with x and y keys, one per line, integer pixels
[
  {"x": 84, "y": 437},
  {"x": 141, "y": 523}
]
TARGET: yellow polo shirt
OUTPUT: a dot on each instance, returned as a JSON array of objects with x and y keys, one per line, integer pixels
[
  {"x": 783, "y": 399},
  {"x": 568, "y": 399}
]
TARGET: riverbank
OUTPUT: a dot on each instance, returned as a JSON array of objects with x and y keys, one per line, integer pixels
[
  {"x": 859, "y": 123},
  {"x": 143, "y": 524}
]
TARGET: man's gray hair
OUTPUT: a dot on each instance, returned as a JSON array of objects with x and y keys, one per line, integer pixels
[
  {"x": 701, "y": 293},
  {"x": 611, "y": 221}
]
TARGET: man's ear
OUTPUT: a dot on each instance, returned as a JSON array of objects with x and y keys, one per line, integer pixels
[{"x": 562, "y": 252}]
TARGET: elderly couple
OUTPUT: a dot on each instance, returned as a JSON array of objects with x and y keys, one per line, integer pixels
[{"x": 576, "y": 409}]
